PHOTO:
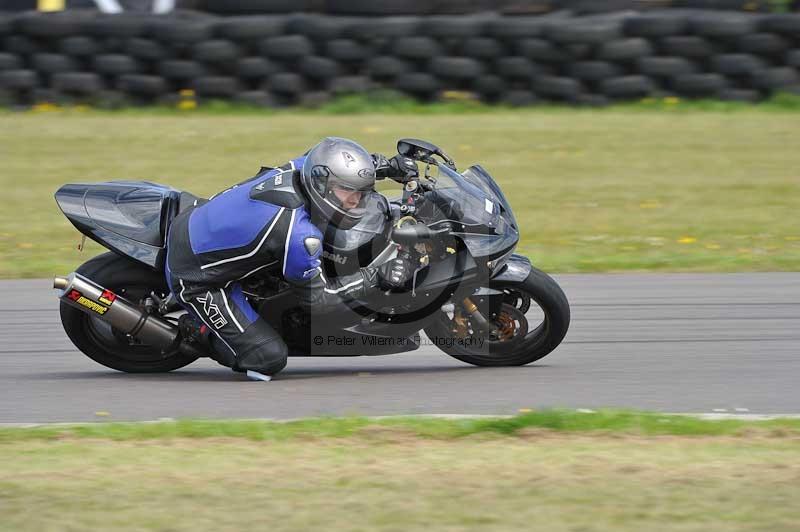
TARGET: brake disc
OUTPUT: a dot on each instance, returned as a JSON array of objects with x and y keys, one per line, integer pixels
[{"x": 511, "y": 323}]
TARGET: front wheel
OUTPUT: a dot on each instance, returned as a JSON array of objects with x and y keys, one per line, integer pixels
[
  {"x": 100, "y": 341},
  {"x": 530, "y": 317}
]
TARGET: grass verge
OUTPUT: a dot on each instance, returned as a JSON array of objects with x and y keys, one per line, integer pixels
[
  {"x": 542, "y": 471},
  {"x": 392, "y": 102},
  {"x": 651, "y": 186},
  {"x": 569, "y": 421}
]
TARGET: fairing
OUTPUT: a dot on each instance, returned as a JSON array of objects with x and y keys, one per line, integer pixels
[
  {"x": 515, "y": 270},
  {"x": 130, "y": 217}
]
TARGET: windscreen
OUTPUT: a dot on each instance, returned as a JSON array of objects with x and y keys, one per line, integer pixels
[{"x": 475, "y": 201}]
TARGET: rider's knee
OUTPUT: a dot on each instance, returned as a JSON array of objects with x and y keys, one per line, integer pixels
[{"x": 268, "y": 356}]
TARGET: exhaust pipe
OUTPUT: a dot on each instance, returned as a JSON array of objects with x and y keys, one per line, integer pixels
[{"x": 86, "y": 295}]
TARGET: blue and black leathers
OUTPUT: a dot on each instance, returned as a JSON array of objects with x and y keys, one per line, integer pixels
[{"x": 257, "y": 224}]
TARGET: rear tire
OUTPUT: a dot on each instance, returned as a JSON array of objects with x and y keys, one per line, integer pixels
[
  {"x": 534, "y": 344},
  {"x": 108, "y": 346}
]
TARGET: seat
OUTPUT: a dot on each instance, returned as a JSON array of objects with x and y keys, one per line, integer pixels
[{"x": 138, "y": 210}]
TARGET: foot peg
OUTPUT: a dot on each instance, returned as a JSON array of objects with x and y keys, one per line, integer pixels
[{"x": 193, "y": 331}]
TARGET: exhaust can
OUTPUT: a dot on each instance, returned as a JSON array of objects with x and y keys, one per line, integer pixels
[{"x": 95, "y": 300}]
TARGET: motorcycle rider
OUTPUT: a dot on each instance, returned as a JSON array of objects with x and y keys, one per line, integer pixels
[{"x": 275, "y": 218}]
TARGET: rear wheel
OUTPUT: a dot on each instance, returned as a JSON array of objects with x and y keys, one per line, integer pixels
[
  {"x": 107, "y": 345},
  {"x": 531, "y": 319}
]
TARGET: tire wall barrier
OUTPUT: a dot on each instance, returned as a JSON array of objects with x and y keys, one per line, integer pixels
[
  {"x": 460, "y": 7},
  {"x": 423, "y": 7},
  {"x": 306, "y": 58}
]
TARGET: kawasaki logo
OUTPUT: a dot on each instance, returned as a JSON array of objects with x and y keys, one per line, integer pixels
[{"x": 335, "y": 257}]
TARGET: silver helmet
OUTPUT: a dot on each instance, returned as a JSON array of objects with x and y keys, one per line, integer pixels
[{"x": 337, "y": 176}]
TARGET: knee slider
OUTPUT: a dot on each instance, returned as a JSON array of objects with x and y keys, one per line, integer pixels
[{"x": 268, "y": 356}]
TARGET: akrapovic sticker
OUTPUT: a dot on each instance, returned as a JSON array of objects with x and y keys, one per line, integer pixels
[
  {"x": 108, "y": 297},
  {"x": 88, "y": 303}
]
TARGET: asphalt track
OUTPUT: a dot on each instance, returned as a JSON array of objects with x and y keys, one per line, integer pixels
[{"x": 674, "y": 343}]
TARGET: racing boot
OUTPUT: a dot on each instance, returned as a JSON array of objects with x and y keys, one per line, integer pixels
[{"x": 199, "y": 336}]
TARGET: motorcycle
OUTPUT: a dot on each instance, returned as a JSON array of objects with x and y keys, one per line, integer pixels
[{"x": 474, "y": 298}]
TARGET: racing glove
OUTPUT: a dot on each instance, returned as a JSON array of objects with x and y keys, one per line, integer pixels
[
  {"x": 397, "y": 166},
  {"x": 381, "y": 164},
  {"x": 390, "y": 275}
]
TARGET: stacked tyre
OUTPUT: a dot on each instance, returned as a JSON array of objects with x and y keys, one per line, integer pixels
[{"x": 305, "y": 58}]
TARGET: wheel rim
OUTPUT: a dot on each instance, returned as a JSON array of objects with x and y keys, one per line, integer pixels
[
  {"x": 533, "y": 314},
  {"x": 522, "y": 324}
]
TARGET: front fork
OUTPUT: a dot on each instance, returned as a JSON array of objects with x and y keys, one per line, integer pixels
[
  {"x": 477, "y": 319},
  {"x": 516, "y": 269}
]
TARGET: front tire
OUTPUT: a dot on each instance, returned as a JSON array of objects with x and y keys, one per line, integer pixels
[
  {"x": 520, "y": 342},
  {"x": 106, "y": 345}
]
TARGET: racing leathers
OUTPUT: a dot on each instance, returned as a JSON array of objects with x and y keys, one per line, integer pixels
[{"x": 259, "y": 223}]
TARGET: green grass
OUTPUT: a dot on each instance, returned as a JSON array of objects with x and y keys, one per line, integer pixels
[
  {"x": 658, "y": 185},
  {"x": 611, "y": 421},
  {"x": 542, "y": 471},
  {"x": 453, "y": 102}
]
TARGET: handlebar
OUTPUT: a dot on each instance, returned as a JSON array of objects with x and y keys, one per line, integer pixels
[{"x": 409, "y": 235}]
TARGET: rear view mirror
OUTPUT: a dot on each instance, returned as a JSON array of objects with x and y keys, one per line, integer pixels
[{"x": 421, "y": 150}]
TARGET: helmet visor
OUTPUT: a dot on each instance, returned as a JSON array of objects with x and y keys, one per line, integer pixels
[
  {"x": 345, "y": 204},
  {"x": 346, "y": 200}
]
